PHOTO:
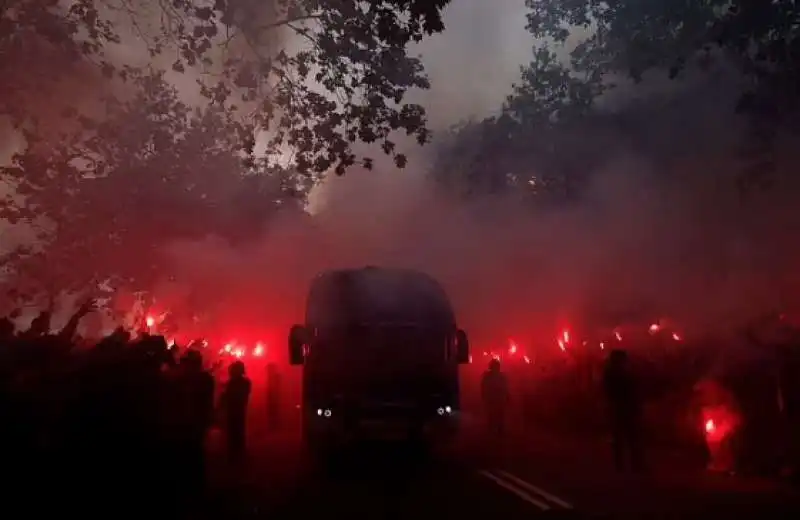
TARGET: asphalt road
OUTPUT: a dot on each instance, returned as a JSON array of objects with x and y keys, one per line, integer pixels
[
  {"x": 507, "y": 479},
  {"x": 376, "y": 482}
]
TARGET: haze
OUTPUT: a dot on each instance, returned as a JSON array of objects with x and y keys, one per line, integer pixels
[{"x": 655, "y": 229}]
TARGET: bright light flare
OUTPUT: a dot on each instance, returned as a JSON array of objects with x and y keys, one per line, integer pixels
[
  {"x": 710, "y": 426},
  {"x": 150, "y": 321},
  {"x": 527, "y": 359},
  {"x": 228, "y": 348},
  {"x": 654, "y": 328},
  {"x": 618, "y": 335},
  {"x": 563, "y": 340},
  {"x": 676, "y": 336},
  {"x": 512, "y": 347},
  {"x": 259, "y": 350}
]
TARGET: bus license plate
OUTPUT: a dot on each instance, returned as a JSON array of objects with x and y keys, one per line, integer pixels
[{"x": 385, "y": 429}]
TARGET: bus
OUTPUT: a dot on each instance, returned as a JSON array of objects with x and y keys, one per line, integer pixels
[{"x": 380, "y": 351}]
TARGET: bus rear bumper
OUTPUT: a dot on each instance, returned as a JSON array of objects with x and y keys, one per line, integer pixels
[{"x": 320, "y": 430}]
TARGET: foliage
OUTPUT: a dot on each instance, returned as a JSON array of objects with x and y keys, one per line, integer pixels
[
  {"x": 529, "y": 148},
  {"x": 345, "y": 84},
  {"x": 760, "y": 38},
  {"x": 609, "y": 40},
  {"x": 39, "y": 42},
  {"x": 635, "y": 36},
  {"x": 116, "y": 161},
  {"x": 153, "y": 170}
]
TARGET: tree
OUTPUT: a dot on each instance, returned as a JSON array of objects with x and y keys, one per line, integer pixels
[
  {"x": 636, "y": 37},
  {"x": 346, "y": 83},
  {"x": 135, "y": 165},
  {"x": 530, "y": 148},
  {"x": 550, "y": 113},
  {"x": 41, "y": 44},
  {"x": 761, "y": 38},
  {"x": 153, "y": 171}
]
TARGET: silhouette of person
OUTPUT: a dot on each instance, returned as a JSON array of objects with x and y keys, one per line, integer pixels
[
  {"x": 234, "y": 402},
  {"x": 624, "y": 409},
  {"x": 496, "y": 396}
]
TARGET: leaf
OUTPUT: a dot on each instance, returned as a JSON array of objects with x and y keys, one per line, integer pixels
[{"x": 204, "y": 13}]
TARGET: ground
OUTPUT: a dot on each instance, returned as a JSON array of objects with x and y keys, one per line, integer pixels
[{"x": 523, "y": 476}]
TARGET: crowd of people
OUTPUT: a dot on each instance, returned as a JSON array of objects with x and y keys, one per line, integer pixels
[
  {"x": 120, "y": 418},
  {"x": 128, "y": 415},
  {"x": 731, "y": 409}
]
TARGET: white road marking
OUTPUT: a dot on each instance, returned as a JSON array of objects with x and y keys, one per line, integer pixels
[
  {"x": 534, "y": 489},
  {"x": 515, "y": 490}
]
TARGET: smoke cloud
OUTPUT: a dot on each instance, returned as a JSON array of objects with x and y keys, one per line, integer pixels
[
  {"x": 474, "y": 62},
  {"x": 662, "y": 227},
  {"x": 662, "y": 231}
]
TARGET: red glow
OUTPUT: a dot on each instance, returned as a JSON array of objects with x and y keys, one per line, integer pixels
[
  {"x": 150, "y": 321},
  {"x": 563, "y": 340},
  {"x": 259, "y": 350},
  {"x": 512, "y": 347},
  {"x": 718, "y": 423}
]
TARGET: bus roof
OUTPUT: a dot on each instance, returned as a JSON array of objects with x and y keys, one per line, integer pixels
[{"x": 377, "y": 295}]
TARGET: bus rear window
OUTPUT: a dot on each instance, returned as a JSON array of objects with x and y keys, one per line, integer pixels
[
  {"x": 346, "y": 300},
  {"x": 370, "y": 346}
]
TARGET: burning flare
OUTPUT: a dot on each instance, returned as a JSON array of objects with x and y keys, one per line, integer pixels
[
  {"x": 259, "y": 350},
  {"x": 563, "y": 340},
  {"x": 512, "y": 347}
]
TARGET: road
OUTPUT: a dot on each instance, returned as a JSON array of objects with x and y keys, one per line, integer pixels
[
  {"x": 507, "y": 480},
  {"x": 382, "y": 482}
]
